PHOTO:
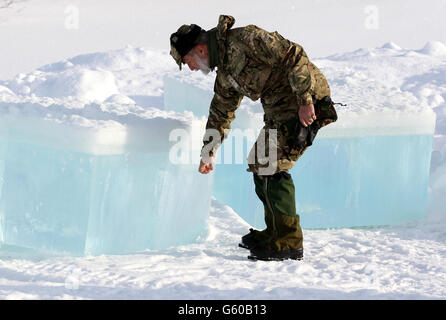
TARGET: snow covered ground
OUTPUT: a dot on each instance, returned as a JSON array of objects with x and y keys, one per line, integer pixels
[
  {"x": 396, "y": 262},
  {"x": 405, "y": 262}
]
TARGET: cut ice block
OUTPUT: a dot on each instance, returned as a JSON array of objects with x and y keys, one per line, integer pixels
[
  {"x": 369, "y": 168},
  {"x": 182, "y": 95},
  {"x": 77, "y": 185},
  {"x": 341, "y": 181}
]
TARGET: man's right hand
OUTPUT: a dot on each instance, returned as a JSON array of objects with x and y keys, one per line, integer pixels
[
  {"x": 307, "y": 115},
  {"x": 206, "y": 165}
]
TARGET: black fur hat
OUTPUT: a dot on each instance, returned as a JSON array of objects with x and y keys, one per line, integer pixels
[{"x": 182, "y": 41}]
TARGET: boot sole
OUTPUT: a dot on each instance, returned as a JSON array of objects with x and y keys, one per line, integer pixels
[
  {"x": 277, "y": 256},
  {"x": 254, "y": 258}
]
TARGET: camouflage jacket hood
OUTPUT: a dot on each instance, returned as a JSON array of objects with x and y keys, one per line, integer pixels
[{"x": 224, "y": 24}]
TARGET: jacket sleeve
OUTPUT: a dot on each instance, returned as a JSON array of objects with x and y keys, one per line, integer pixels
[
  {"x": 221, "y": 113},
  {"x": 273, "y": 49}
]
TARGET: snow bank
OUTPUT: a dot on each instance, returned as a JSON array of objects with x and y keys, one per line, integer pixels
[
  {"x": 434, "y": 48},
  {"x": 94, "y": 77}
]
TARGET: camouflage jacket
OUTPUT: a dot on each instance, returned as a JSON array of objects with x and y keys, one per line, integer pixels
[{"x": 258, "y": 64}]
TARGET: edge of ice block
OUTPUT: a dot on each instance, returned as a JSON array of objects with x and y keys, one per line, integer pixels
[
  {"x": 368, "y": 123},
  {"x": 377, "y": 123},
  {"x": 100, "y": 136}
]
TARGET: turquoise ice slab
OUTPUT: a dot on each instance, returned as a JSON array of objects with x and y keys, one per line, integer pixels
[
  {"x": 63, "y": 201},
  {"x": 136, "y": 204},
  {"x": 344, "y": 182},
  {"x": 180, "y": 96},
  {"x": 44, "y": 198}
]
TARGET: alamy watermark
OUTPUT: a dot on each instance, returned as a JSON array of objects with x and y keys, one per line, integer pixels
[
  {"x": 71, "y": 17},
  {"x": 238, "y": 146},
  {"x": 371, "y": 21}
]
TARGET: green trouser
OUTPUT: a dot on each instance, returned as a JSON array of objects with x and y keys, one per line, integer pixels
[{"x": 283, "y": 231}]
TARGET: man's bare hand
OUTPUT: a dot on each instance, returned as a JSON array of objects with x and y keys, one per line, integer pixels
[
  {"x": 307, "y": 115},
  {"x": 206, "y": 165}
]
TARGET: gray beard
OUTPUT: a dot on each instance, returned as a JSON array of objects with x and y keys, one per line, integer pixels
[{"x": 203, "y": 64}]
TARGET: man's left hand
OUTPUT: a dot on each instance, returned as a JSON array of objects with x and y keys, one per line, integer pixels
[{"x": 307, "y": 115}]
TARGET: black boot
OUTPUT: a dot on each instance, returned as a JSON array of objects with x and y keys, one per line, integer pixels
[
  {"x": 254, "y": 238},
  {"x": 249, "y": 240}
]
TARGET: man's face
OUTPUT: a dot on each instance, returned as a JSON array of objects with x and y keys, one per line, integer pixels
[
  {"x": 190, "y": 60},
  {"x": 197, "y": 59}
]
